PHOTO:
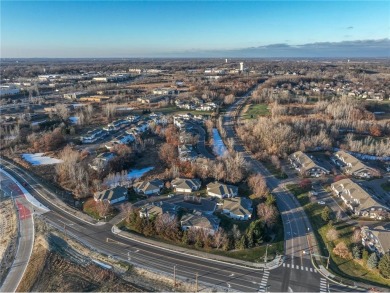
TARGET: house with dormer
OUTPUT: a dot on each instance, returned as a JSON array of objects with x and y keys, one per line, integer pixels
[
  {"x": 354, "y": 167},
  {"x": 306, "y": 165},
  {"x": 358, "y": 200}
]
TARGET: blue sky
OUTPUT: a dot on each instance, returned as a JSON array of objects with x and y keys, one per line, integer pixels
[{"x": 157, "y": 28}]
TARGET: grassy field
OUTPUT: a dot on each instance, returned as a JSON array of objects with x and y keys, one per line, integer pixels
[
  {"x": 256, "y": 110},
  {"x": 348, "y": 268}
]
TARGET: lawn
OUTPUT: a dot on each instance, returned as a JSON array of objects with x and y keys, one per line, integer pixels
[
  {"x": 256, "y": 110},
  {"x": 347, "y": 268}
]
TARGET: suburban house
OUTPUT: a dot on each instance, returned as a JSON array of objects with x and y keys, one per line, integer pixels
[
  {"x": 187, "y": 153},
  {"x": 148, "y": 187},
  {"x": 359, "y": 201},
  {"x": 353, "y": 166},
  {"x": 93, "y": 135},
  {"x": 377, "y": 238},
  {"x": 158, "y": 208},
  {"x": 220, "y": 190},
  {"x": 238, "y": 208},
  {"x": 197, "y": 220},
  {"x": 114, "y": 195},
  {"x": 101, "y": 161},
  {"x": 186, "y": 185},
  {"x": 306, "y": 165}
]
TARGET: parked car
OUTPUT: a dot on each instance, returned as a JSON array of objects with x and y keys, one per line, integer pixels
[{"x": 321, "y": 202}]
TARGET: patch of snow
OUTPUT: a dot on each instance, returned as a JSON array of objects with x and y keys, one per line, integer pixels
[
  {"x": 78, "y": 105},
  {"x": 38, "y": 159},
  {"x": 124, "y": 109},
  {"x": 37, "y": 122},
  {"x": 103, "y": 265},
  {"x": 137, "y": 173},
  {"x": 219, "y": 147},
  {"x": 74, "y": 119}
]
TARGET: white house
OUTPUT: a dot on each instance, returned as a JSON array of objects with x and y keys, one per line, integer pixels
[
  {"x": 238, "y": 208},
  {"x": 148, "y": 187},
  {"x": 112, "y": 196},
  {"x": 220, "y": 190}
]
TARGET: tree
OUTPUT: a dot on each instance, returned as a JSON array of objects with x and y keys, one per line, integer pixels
[
  {"x": 325, "y": 214},
  {"x": 258, "y": 185},
  {"x": 219, "y": 238},
  {"x": 332, "y": 234},
  {"x": 270, "y": 200},
  {"x": 341, "y": 250},
  {"x": 241, "y": 243},
  {"x": 305, "y": 184},
  {"x": 384, "y": 266},
  {"x": 268, "y": 214},
  {"x": 356, "y": 235},
  {"x": 62, "y": 111},
  {"x": 168, "y": 153},
  {"x": 357, "y": 251},
  {"x": 372, "y": 261}
]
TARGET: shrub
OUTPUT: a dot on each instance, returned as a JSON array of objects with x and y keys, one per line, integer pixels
[{"x": 372, "y": 261}]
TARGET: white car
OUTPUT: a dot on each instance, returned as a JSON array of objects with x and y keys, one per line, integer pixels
[{"x": 321, "y": 202}]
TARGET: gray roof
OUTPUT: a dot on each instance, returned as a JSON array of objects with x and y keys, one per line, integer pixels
[
  {"x": 222, "y": 189},
  {"x": 193, "y": 184},
  {"x": 355, "y": 164},
  {"x": 111, "y": 194},
  {"x": 238, "y": 206},
  {"x": 148, "y": 185},
  {"x": 355, "y": 192},
  {"x": 159, "y": 208},
  {"x": 200, "y": 220}
]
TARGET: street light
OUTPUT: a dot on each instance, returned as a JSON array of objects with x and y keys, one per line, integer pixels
[{"x": 266, "y": 254}]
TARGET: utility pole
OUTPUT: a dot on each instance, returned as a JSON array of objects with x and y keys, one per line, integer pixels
[
  {"x": 196, "y": 282},
  {"x": 174, "y": 276},
  {"x": 266, "y": 254}
]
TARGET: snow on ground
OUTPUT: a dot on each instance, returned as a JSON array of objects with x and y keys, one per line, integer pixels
[
  {"x": 124, "y": 109},
  {"x": 37, "y": 122},
  {"x": 219, "y": 147},
  {"x": 38, "y": 159},
  {"x": 74, "y": 119},
  {"x": 137, "y": 173},
  {"x": 78, "y": 105}
]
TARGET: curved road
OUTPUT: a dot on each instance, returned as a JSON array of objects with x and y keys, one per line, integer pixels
[{"x": 296, "y": 274}]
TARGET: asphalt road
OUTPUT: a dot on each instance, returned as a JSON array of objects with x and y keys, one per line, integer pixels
[
  {"x": 297, "y": 273},
  {"x": 25, "y": 234}
]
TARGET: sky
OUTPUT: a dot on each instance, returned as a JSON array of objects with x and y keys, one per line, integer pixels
[{"x": 77, "y": 29}]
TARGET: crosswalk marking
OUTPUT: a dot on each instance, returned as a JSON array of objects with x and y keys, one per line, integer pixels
[
  {"x": 288, "y": 265},
  {"x": 306, "y": 269},
  {"x": 263, "y": 282},
  {"x": 323, "y": 285}
]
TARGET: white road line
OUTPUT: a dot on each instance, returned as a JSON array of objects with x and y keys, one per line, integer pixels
[
  {"x": 302, "y": 268},
  {"x": 306, "y": 269},
  {"x": 284, "y": 265},
  {"x": 288, "y": 265}
]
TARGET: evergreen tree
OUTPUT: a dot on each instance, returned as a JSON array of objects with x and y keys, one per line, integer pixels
[
  {"x": 185, "y": 239},
  {"x": 384, "y": 266},
  {"x": 357, "y": 251},
  {"x": 242, "y": 243},
  {"x": 372, "y": 261},
  {"x": 270, "y": 200},
  {"x": 250, "y": 239},
  {"x": 325, "y": 214}
]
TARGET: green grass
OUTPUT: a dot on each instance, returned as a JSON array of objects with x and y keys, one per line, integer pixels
[
  {"x": 255, "y": 254},
  {"x": 256, "y": 110},
  {"x": 349, "y": 269},
  {"x": 386, "y": 186}
]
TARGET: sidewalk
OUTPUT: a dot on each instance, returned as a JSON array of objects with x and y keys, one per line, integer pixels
[
  {"x": 271, "y": 265},
  {"x": 46, "y": 191}
]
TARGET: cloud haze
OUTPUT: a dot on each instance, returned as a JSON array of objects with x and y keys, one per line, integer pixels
[{"x": 346, "y": 49}]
